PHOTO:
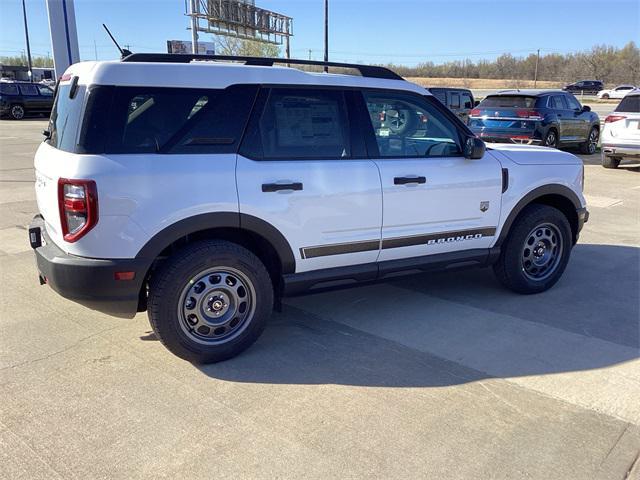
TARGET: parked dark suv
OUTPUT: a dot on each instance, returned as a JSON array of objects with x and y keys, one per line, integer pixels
[
  {"x": 552, "y": 118},
  {"x": 20, "y": 99},
  {"x": 459, "y": 100},
  {"x": 584, "y": 86}
]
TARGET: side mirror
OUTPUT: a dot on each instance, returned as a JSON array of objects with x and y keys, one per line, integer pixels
[
  {"x": 586, "y": 108},
  {"x": 476, "y": 103},
  {"x": 474, "y": 148}
]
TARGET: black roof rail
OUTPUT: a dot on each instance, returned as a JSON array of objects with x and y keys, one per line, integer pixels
[{"x": 365, "y": 70}]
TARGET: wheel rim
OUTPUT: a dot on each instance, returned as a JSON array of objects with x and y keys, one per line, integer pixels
[
  {"x": 216, "y": 305},
  {"x": 593, "y": 141},
  {"x": 541, "y": 252},
  {"x": 551, "y": 139},
  {"x": 17, "y": 111}
]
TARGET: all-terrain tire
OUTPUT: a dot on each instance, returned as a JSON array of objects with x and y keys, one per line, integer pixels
[
  {"x": 536, "y": 232},
  {"x": 230, "y": 276}
]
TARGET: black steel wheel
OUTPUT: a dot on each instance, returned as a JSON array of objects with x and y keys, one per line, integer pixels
[{"x": 536, "y": 250}]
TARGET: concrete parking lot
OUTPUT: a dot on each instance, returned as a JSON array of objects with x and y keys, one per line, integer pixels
[{"x": 445, "y": 376}]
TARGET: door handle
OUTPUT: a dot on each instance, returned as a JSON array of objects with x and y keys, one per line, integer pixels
[
  {"x": 408, "y": 180},
  {"x": 274, "y": 187}
]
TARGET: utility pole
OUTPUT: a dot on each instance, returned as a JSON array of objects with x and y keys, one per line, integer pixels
[
  {"x": 95, "y": 49},
  {"x": 194, "y": 27},
  {"x": 26, "y": 34},
  {"x": 326, "y": 33},
  {"x": 535, "y": 75},
  {"x": 309, "y": 54}
]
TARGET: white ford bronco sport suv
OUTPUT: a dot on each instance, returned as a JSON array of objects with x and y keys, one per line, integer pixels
[{"x": 203, "y": 190}]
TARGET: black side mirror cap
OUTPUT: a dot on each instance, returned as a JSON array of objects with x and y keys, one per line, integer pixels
[
  {"x": 474, "y": 148},
  {"x": 586, "y": 108},
  {"x": 476, "y": 103}
]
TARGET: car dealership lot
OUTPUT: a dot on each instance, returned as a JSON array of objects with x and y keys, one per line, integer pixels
[{"x": 447, "y": 375}]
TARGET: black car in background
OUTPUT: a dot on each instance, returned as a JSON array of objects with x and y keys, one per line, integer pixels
[
  {"x": 20, "y": 99},
  {"x": 584, "y": 86},
  {"x": 459, "y": 100},
  {"x": 552, "y": 118}
]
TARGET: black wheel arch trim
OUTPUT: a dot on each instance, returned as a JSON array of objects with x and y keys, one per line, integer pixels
[
  {"x": 551, "y": 189},
  {"x": 206, "y": 221}
]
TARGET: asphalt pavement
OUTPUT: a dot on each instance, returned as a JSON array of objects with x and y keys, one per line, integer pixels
[{"x": 444, "y": 376}]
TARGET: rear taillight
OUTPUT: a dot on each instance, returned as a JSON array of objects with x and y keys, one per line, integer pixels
[
  {"x": 475, "y": 112},
  {"x": 530, "y": 114},
  {"x": 78, "y": 204},
  {"x": 614, "y": 118}
]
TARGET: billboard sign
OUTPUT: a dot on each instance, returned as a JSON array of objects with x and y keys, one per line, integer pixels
[{"x": 184, "y": 46}]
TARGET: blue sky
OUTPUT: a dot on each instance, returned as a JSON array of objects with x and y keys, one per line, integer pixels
[{"x": 370, "y": 31}]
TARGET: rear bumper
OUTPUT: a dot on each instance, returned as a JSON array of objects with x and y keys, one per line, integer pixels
[
  {"x": 628, "y": 150},
  {"x": 88, "y": 281},
  {"x": 526, "y": 136}
]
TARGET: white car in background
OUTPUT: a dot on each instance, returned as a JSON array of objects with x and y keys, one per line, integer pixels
[
  {"x": 619, "y": 92},
  {"x": 621, "y": 133}
]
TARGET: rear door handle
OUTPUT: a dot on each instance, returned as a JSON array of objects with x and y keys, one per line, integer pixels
[
  {"x": 408, "y": 180},
  {"x": 274, "y": 187}
]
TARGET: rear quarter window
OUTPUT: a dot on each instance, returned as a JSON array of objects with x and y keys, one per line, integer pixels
[
  {"x": 629, "y": 104},
  {"x": 8, "y": 89},
  {"x": 508, "y": 101},
  {"x": 65, "y": 118},
  {"x": 165, "y": 120}
]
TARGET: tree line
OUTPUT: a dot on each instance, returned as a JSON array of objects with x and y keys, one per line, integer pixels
[{"x": 603, "y": 62}]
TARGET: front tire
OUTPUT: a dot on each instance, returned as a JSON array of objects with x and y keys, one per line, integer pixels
[
  {"x": 210, "y": 301},
  {"x": 605, "y": 96},
  {"x": 536, "y": 251}
]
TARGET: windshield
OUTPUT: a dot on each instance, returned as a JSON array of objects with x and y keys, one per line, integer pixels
[{"x": 508, "y": 101}]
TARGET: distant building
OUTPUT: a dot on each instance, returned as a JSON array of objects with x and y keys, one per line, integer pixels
[{"x": 20, "y": 72}]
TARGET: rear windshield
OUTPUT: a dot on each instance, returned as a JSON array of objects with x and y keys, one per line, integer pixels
[
  {"x": 508, "y": 101},
  {"x": 65, "y": 118},
  {"x": 630, "y": 104}
]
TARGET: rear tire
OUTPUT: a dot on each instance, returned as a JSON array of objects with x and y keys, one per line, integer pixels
[
  {"x": 605, "y": 96},
  {"x": 210, "y": 301},
  {"x": 16, "y": 112},
  {"x": 536, "y": 251},
  {"x": 551, "y": 138},
  {"x": 589, "y": 147},
  {"x": 610, "y": 162}
]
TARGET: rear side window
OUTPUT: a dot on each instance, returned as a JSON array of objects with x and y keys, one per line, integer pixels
[
  {"x": 629, "y": 104},
  {"x": 165, "y": 120},
  {"x": 304, "y": 124},
  {"x": 508, "y": 101},
  {"x": 556, "y": 102},
  {"x": 28, "y": 89},
  {"x": 8, "y": 89}
]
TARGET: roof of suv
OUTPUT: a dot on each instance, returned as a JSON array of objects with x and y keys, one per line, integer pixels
[
  {"x": 529, "y": 92},
  {"x": 215, "y": 74}
]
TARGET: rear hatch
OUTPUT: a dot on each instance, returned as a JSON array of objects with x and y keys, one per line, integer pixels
[
  {"x": 505, "y": 114},
  {"x": 55, "y": 157},
  {"x": 624, "y": 123}
]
